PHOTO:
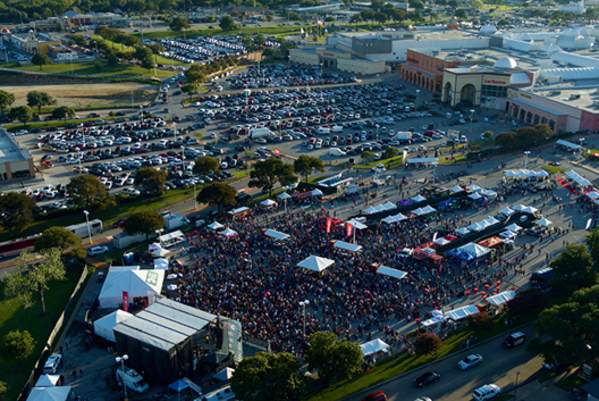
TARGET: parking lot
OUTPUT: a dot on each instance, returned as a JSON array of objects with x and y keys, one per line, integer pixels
[{"x": 203, "y": 49}]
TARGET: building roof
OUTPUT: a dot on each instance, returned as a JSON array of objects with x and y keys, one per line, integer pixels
[
  {"x": 582, "y": 98},
  {"x": 10, "y": 149}
]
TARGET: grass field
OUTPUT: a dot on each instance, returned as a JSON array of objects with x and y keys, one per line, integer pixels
[
  {"x": 53, "y": 123},
  {"x": 14, "y": 316},
  {"x": 87, "y": 96}
]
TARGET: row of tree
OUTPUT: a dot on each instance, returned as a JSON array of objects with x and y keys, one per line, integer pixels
[
  {"x": 35, "y": 99},
  {"x": 525, "y": 137}
]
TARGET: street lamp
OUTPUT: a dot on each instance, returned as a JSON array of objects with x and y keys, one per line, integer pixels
[
  {"x": 89, "y": 230},
  {"x": 195, "y": 201},
  {"x": 303, "y": 304},
  {"x": 526, "y": 154},
  {"x": 121, "y": 360}
]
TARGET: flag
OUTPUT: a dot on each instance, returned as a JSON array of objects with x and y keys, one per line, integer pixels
[
  {"x": 327, "y": 225},
  {"x": 349, "y": 229},
  {"x": 125, "y": 297}
]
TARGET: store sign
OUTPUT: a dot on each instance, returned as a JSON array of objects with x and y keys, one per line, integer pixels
[{"x": 495, "y": 81}]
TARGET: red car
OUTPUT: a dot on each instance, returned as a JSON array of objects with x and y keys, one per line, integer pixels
[{"x": 376, "y": 396}]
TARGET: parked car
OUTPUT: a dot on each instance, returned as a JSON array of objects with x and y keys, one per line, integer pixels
[
  {"x": 427, "y": 378},
  {"x": 52, "y": 364},
  {"x": 515, "y": 339},
  {"x": 97, "y": 250},
  {"x": 486, "y": 392}
]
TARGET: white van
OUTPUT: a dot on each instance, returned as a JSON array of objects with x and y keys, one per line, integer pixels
[
  {"x": 486, "y": 392},
  {"x": 130, "y": 378}
]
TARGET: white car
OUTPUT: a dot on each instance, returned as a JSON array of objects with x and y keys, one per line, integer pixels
[
  {"x": 97, "y": 250},
  {"x": 470, "y": 361},
  {"x": 380, "y": 168},
  {"x": 337, "y": 152},
  {"x": 486, "y": 392},
  {"x": 52, "y": 363}
]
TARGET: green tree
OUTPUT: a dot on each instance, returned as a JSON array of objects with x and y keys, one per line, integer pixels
[
  {"x": 178, "y": 23},
  {"x": 63, "y": 112},
  {"x": 195, "y": 74},
  {"x": 39, "y": 99},
  {"x": 368, "y": 156},
  {"x": 145, "y": 222},
  {"x": 145, "y": 56},
  {"x": 3, "y": 389},
  {"x": 389, "y": 152},
  {"x": 593, "y": 244},
  {"x": 573, "y": 269},
  {"x": 460, "y": 13},
  {"x": 58, "y": 237},
  {"x": 267, "y": 173},
  {"x": 227, "y": 23},
  {"x": 40, "y": 59},
  {"x": 205, "y": 165},
  {"x": 268, "y": 377},
  {"x": 334, "y": 359},
  {"x": 305, "y": 165},
  {"x": 218, "y": 194},
  {"x": 16, "y": 211},
  {"x": 21, "y": 113},
  {"x": 426, "y": 343},
  {"x": 33, "y": 277},
  {"x": 6, "y": 100},
  {"x": 19, "y": 344},
  {"x": 150, "y": 181},
  {"x": 87, "y": 192}
]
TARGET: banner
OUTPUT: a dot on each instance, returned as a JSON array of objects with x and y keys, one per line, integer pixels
[
  {"x": 125, "y": 301},
  {"x": 327, "y": 225},
  {"x": 349, "y": 229}
]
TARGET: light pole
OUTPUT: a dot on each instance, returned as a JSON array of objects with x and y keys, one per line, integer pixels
[
  {"x": 121, "y": 360},
  {"x": 526, "y": 154},
  {"x": 89, "y": 230},
  {"x": 195, "y": 201},
  {"x": 516, "y": 386},
  {"x": 303, "y": 304}
]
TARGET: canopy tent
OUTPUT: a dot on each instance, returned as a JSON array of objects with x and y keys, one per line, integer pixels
[
  {"x": 462, "y": 312},
  {"x": 268, "y": 203},
  {"x": 525, "y": 209},
  {"x": 157, "y": 251},
  {"x": 441, "y": 241},
  {"x": 229, "y": 233},
  {"x": 506, "y": 211},
  {"x": 436, "y": 319},
  {"x": 383, "y": 207},
  {"x": 161, "y": 264},
  {"x": 543, "y": 222},
  {"x": 456, "y": 189},
  {"x": 423, "y": 160},
  {"x": 276, "y": 235},
  {"x": 57, "y": 393},
  {"x": 473, "y": 188},
  {"x": 578, "y": 179},
  {"x": 501, "y": 298},
  {"x": 507, "y": 234},
  {"x": 418, "y": 198},
  {"x": 215, "y": 226},
  {"x": 104, "y": 325},
  {"x": 569, "y": 145},
  {"x": 283, "y": 196},
  {"x": 491, "y": 242},
  {"x": 396, "y": 218},
  {"x": 137, "y": 283},
  {"x": 514, "y": 228},
  {"x": 316, "y": 192},
  {"x": 483, "y": 224},
  {"x": 462, "y": 231},
  {"x": 374, "y": 346},
  {"x": 179, "y": 386},
  {"x": 171, "y": 239},
  {"x": 239, "y": 211},
  {"x": 525, "y": 174},
  {"x": 593, "y": 196},
  {"x": 488, "y": 193},
  {"x": 224, "y": 375},
  {"x": 316, "y": 263},
  {"x": 358, "y": 225},
  {"x": 471, "y": 251},
  {"x": 391, "y": 272},
  {"x": 475, "y": 196},
  {"x": 47, "y": 381},
  {"x": 422, "y": 211},
  {"x": 347, "y": 246}
]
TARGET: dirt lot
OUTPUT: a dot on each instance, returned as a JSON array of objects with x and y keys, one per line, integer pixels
[{"x": 88, "y": 96}]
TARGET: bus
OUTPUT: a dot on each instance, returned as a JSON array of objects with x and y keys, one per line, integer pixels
[{"x": 80, "y": 229}]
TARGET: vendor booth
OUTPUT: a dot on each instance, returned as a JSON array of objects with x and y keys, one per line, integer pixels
[{"x": 316, "y": 263}]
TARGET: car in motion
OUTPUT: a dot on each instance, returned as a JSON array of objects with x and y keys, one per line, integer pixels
[
  {"x": 470, "y": 361},
  {"x": 515, "y": 339},
  {"x": 427, "y": 378},
  {"x": 376, "y": 396}
]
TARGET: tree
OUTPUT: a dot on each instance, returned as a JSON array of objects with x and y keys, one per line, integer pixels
[
  {"x": 267, "y": 173},
  {"x": 178, "y": 23},
  {"x": 63, "y": 112},
  {"x": 3, "y": 389},
  {"x": 21, "y": 113},
  {"x": 57, "y": 237},
  {"x": 145, "y": 56},
  {"x": 427, "y": 343},
  {"x": 389, "y": 152},
  {"x": 40, "y": 59},
  {"x": 16, "y": 211},
  {"x": 227, "y": 23},
  {"x": 268, "y": 377},
  {"x": 6, "y": 100},
  {"x": 481, "y": 321},
  {"x": 150, "y": 180},
  {"x": 19, "y": 344},
  {"x": 305, "y": 165},
  {"x": 218, "y": 194},
  {"x": 205, "y": 165},
  {"x": 460, "y": 13},
  {"x": 333, "y": 358},
  {"x": 87, "y": 192},
  {"x": 527, "y": 302},
  {"x": 145, "y": 222},
  {"x": 368, "y": 155},
  {"x": 39, "y": 99},
  {"x": 34, "y": 277},
  {"x": 593, "y": 244},
  {"x": 573, "y": 269}
]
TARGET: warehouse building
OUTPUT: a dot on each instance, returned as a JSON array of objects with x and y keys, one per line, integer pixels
[{"x": 15, "y": 162}]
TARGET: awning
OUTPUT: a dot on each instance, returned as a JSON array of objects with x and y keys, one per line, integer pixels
[
  {"x": 316, "y": 263},
  {"x": 475, "y": 196},
  {"x": 491, "y": 242},
  {"x": 422, "y": 211},
  {"x": 501, "y": 298},
  {"x": 268, "y": 203},
  {"x": 441, "y": 241},
  {"x": 471, "y": 251},
  {"x": 316, "y": 192},
  {"x": 462, "y": 231},
  {"x": 515, "y": 228},
  {"x": 568, "y": 144},
  {"x": 374, "y": 346},
  {"x": 391, "y": 272},
  {"x": 229, "y": 233},
  {"x": 358, "y": 225},
  {"x": 347, "y": 246},
  {"x": 525, "y": 209},
  {"x": 283, "y": 196},
  {"x": 396, "y": 218},
  {"x": 178, "y": 386},
  {"x": 383, "y": 207},
  {"x": 423, "y": 160},
  {"x": 543, "y": 222},
  {"x": 418, "y": 198},
  {"x": 506, "y": 211},
  {"x": 578, "y": 179},
  {"x": 276, "y": 235},
  {"x": 215, "y": 226},
  {"x": 239, "y": 210},
  {"x": 462, "y": 312},
  {"x": 161, "y": 264},
  {"x": 456, "y": 189}
]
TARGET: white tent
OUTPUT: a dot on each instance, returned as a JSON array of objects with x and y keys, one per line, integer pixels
[
  {"x": 58, "y": 393},
  {"x": 525, "y": 209},
  {"x": 462, "y": 312},
  {"x": 543, "y": 222},
  {"x": 316, "y": 192},
  {"x": 473, "y": 250},
  {"x": 224, "y": 375},
  {"x": 358, "y": 225},
  {"x": 268, "y": 203},
  {"x": 473, "y": 188},
  {"x": 462, "y": 231},
  {"x": 515, "y": 228},
  {"x": 103, "y": 326},
  {"x": 441, "y": 241},
  {"x": 347, "y": 246},
  {"x": 316, "y": 263},
  {"x": 161, "y": 264},
  {"x": 475, "y": 196},
  {"x": 137, "y": 283},
  {"x": 374, "y": 346},
  {"x": 456, "y": 189},
  {"x": 501, "y": 298},
  {"x": 276, "y": 235},
  {"x": 391, "y": 272},
  {"x": 171, "y": 239},
  {"x": 47, "y": 381},
  {"x": 507, "y": 234},
  {"x": 418, "y": 198},
  {"x": 436, "y": 318},
  {"x": 422, "y": 211},
  {"x": 229, "y": 233},
  {"x": 238, "y": 210},
  {"x": 283, "y": 196},
  {"x": 396, "y": 218},
  {"x": 383, "y": 207},
  {"x": 215, "y": 226},
  {"x": 157, "y": 251},
  {"x": 506, "y": 211}
]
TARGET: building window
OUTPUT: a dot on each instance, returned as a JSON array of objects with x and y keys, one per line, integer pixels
[{"x": 494, "y": 91}]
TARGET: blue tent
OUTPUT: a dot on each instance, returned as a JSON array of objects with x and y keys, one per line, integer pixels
[{"x": 178, "y": 386}]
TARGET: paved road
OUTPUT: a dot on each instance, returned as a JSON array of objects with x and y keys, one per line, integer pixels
[{"x": 500, "y": 366}]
